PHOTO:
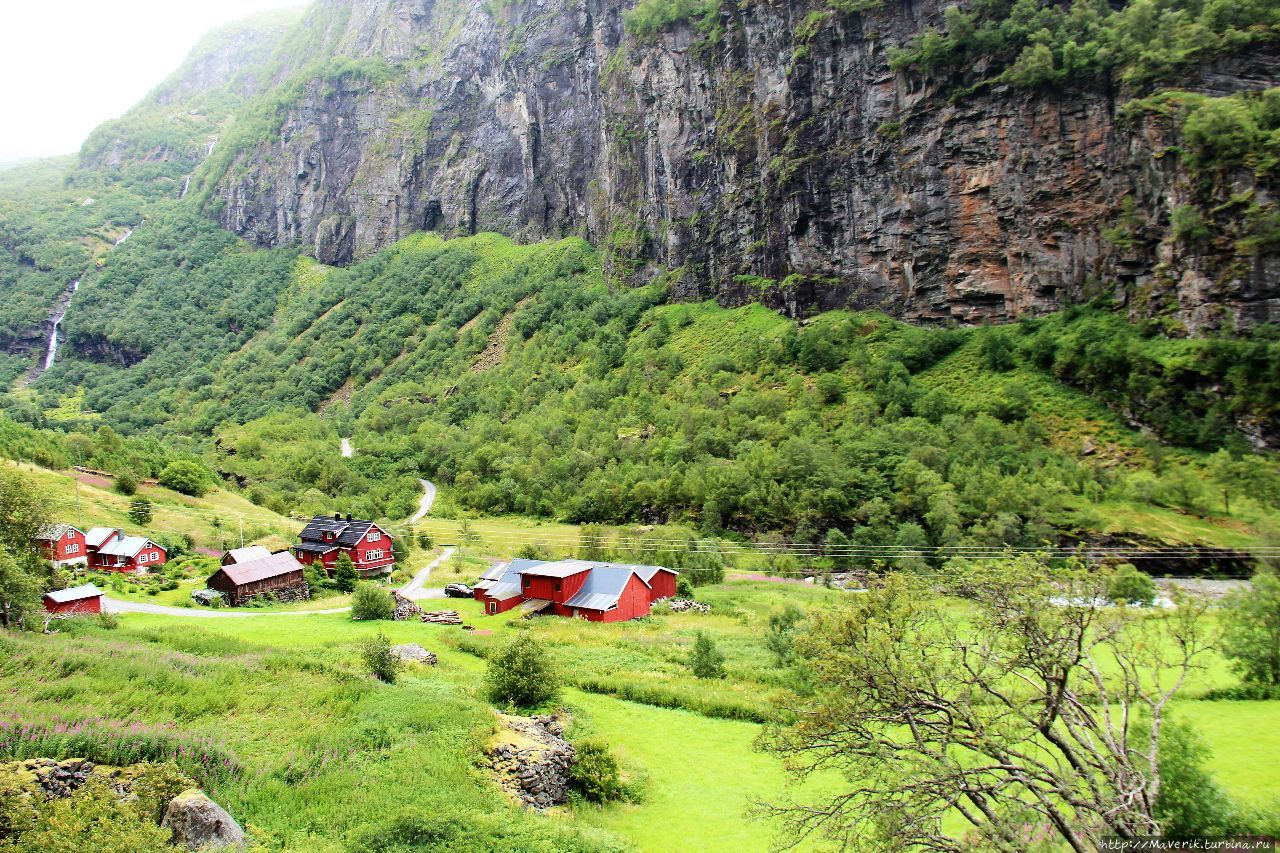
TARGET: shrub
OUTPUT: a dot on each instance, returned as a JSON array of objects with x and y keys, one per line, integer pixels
[
  {"x": 684, "y": 588},
  {"x": 522, "y": 674},
  {"x": 1251, "y": 630},
  {"x": 594, "y": 773},
  {"x": 126, "y": 483},
  {"x": 372, "y": 602},
  {"x": 706, "y": 660},
  {"x": 1190, "y": 803},
  {"x": 1130, "y": 586},
  {"x": 344, "y": 574},
  {"x": 424, "y": 540},
  {"x": 108, "y": 621},
  {"x": 376, "y": 652},
  {"x": 186, "y": 477}
]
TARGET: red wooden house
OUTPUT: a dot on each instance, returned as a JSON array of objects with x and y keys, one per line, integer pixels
[
  {"x": 599, "y": 592},
  {"x": 63, "y": 544},
  {"x": 367, "y": 544},
  {"x": 119, "y": 553},
  {"x": 74, "y": 601}
]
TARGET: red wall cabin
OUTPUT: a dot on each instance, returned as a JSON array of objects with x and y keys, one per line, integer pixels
[
  {"x": 63, "y": 544},
  {"x": 553, "y": 589},
  {"x": 149, "y": 556},
  {"x": 632, "y": 604}
]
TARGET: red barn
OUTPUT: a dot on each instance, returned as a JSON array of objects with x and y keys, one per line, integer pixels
[
  {"x": 74, "y": 601},
  {"x": 367, "y": 544},
  {"x": 120, "y": 553},
  {"x": 63, "y": 544},
  {"x": 599, "y": 592}
]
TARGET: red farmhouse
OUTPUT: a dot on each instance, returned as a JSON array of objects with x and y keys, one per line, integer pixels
[
  {"x": 63, "y": 544},
  {"x": 74, "y": 601},
  {"x": 599, "y": 592},
  {"x": 111, "y": 550},
  {"x": 367, "y": 544}
]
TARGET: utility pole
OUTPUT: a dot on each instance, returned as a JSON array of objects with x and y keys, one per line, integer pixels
[{"x": 242, "y": 530}]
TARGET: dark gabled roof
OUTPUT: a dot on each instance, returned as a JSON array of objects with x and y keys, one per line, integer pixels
[
  {"x": 348, "y": 533},
  {"x": 316, "y": 547},
  {"x": 271, "y": 566},
  {"x": 54, "y": 532}
]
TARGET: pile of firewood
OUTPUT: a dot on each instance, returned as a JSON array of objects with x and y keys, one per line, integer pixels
[
  {"x": 442, "y": 617},
  {"x": 686, "y": 605},
  {"x": 405, "y": 609}
]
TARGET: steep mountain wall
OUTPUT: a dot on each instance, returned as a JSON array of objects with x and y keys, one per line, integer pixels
[{"x": 781, "y": 160}]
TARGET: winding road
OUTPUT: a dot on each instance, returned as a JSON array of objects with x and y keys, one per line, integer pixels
[
  {"x": 413, "y": 589},
  {"x": 424, "y": 502}
]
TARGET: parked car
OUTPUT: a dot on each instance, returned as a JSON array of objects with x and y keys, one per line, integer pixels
[{"x": 457, "y": 590}]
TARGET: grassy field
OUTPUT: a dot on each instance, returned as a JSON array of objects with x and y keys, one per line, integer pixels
[{"x": 330, "y": 756}]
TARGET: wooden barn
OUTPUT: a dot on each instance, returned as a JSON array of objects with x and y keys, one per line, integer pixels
[
  {"x": 279, "y": 574},
  {"x": 74, "y": 601},
  {"x": 63, "y": 544},
  {"x": 598, "y": 592}
]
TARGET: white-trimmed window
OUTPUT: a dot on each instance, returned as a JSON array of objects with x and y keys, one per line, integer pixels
[
  {"x": 374, "y": 536},
  {"x": 73, "y": 548},
  {"x": 375, "y": 554},
  {"x": 144, "y": 557}
]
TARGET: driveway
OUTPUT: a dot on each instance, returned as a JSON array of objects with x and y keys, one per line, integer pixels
[
  {"x": 115, "y": 605},
  {"x": 413, "y": 589}
]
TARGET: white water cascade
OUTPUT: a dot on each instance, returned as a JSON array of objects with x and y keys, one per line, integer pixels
[
  {"x": 185, "y": 183},
  {"x": 52, "y": 352},
  {"x": 124, "y": 237}
]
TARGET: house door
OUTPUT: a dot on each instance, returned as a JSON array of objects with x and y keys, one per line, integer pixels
[{"x": 493, "y": 607}]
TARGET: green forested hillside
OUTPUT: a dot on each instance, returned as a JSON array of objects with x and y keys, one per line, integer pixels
[{"x": 514, "y": 377}]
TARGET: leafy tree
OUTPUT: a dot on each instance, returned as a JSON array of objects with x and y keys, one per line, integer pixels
[
  {"x": 19, "y": 592},
  {"x": 684, "y": 588},
  {"x": 424, "y": 540},
  {"x": 186, "y": 477},
  {"x": 991, "y": 715},
  {"x": 140, "y": 512},
  {"x": 705, "y": 660},
  {"x": 1251, "y": 630},
  {"x": 778, "y": 637},
  {"x": 378, "y": 659},
  {"x": 371, "y": 601},
  {"x": 522, "y": 674},
  {"x": 594, "y": 773},
  {"x": 1129, "y": 585},
  {"x": 23, "y": 512},
  {"x": 316, "y": 577},
  {"x": 344, "y": 573}
]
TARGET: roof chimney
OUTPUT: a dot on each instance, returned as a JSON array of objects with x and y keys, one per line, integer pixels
[
  {"x": 337, "y": 516},
  {"x": 348, "y": 518}
]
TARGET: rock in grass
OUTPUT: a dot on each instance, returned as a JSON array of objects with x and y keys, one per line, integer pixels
[
  {"x": 414, "y": 653},
  {"x": 198, "y": 823}
]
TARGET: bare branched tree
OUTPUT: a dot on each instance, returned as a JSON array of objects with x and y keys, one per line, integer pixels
[{"x": 1022, "y": 705}]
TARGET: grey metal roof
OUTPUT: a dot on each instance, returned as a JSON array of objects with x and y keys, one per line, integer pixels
[
  {"x": 75, "y": 593},
  {"x": 97, "y": 535},
  {"x": 503, "y": 591},
  {"x": 603, "y": 587},
  {"x": 646, "y": 573},
  {"x": 246, "y": 554},
  {"x": 559, "y": 569},
  {"x": 315, "y": 548},
  {"x": 127, "y": 547}
]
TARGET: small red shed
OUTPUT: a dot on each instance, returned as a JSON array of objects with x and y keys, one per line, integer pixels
[{"x": 75, "y": 601}]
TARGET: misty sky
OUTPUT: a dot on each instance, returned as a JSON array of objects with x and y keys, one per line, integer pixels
[{"x": 68, "y": 65}]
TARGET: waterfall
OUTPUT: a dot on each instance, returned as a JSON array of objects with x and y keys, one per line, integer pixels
[
  {"x": 125, "y": 237},
  {"x": 52, "y": 352},
  {"x": 185, "y": 183}
]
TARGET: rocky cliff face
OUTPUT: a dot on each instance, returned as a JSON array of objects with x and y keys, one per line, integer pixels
[{"x": 782, "y": 161}]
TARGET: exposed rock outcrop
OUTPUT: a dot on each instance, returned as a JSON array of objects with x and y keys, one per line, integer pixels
[
  {"x": 414, "y": 653},
  {"x": 780, "y": 163},
  {"x": 199, "y": 823},
  {"x": 531, "y": 759}
]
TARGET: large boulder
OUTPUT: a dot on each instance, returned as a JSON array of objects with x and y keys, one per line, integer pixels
[
  {"x": 413, "y": 653},
  {"x": 200, "y": 823}
]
